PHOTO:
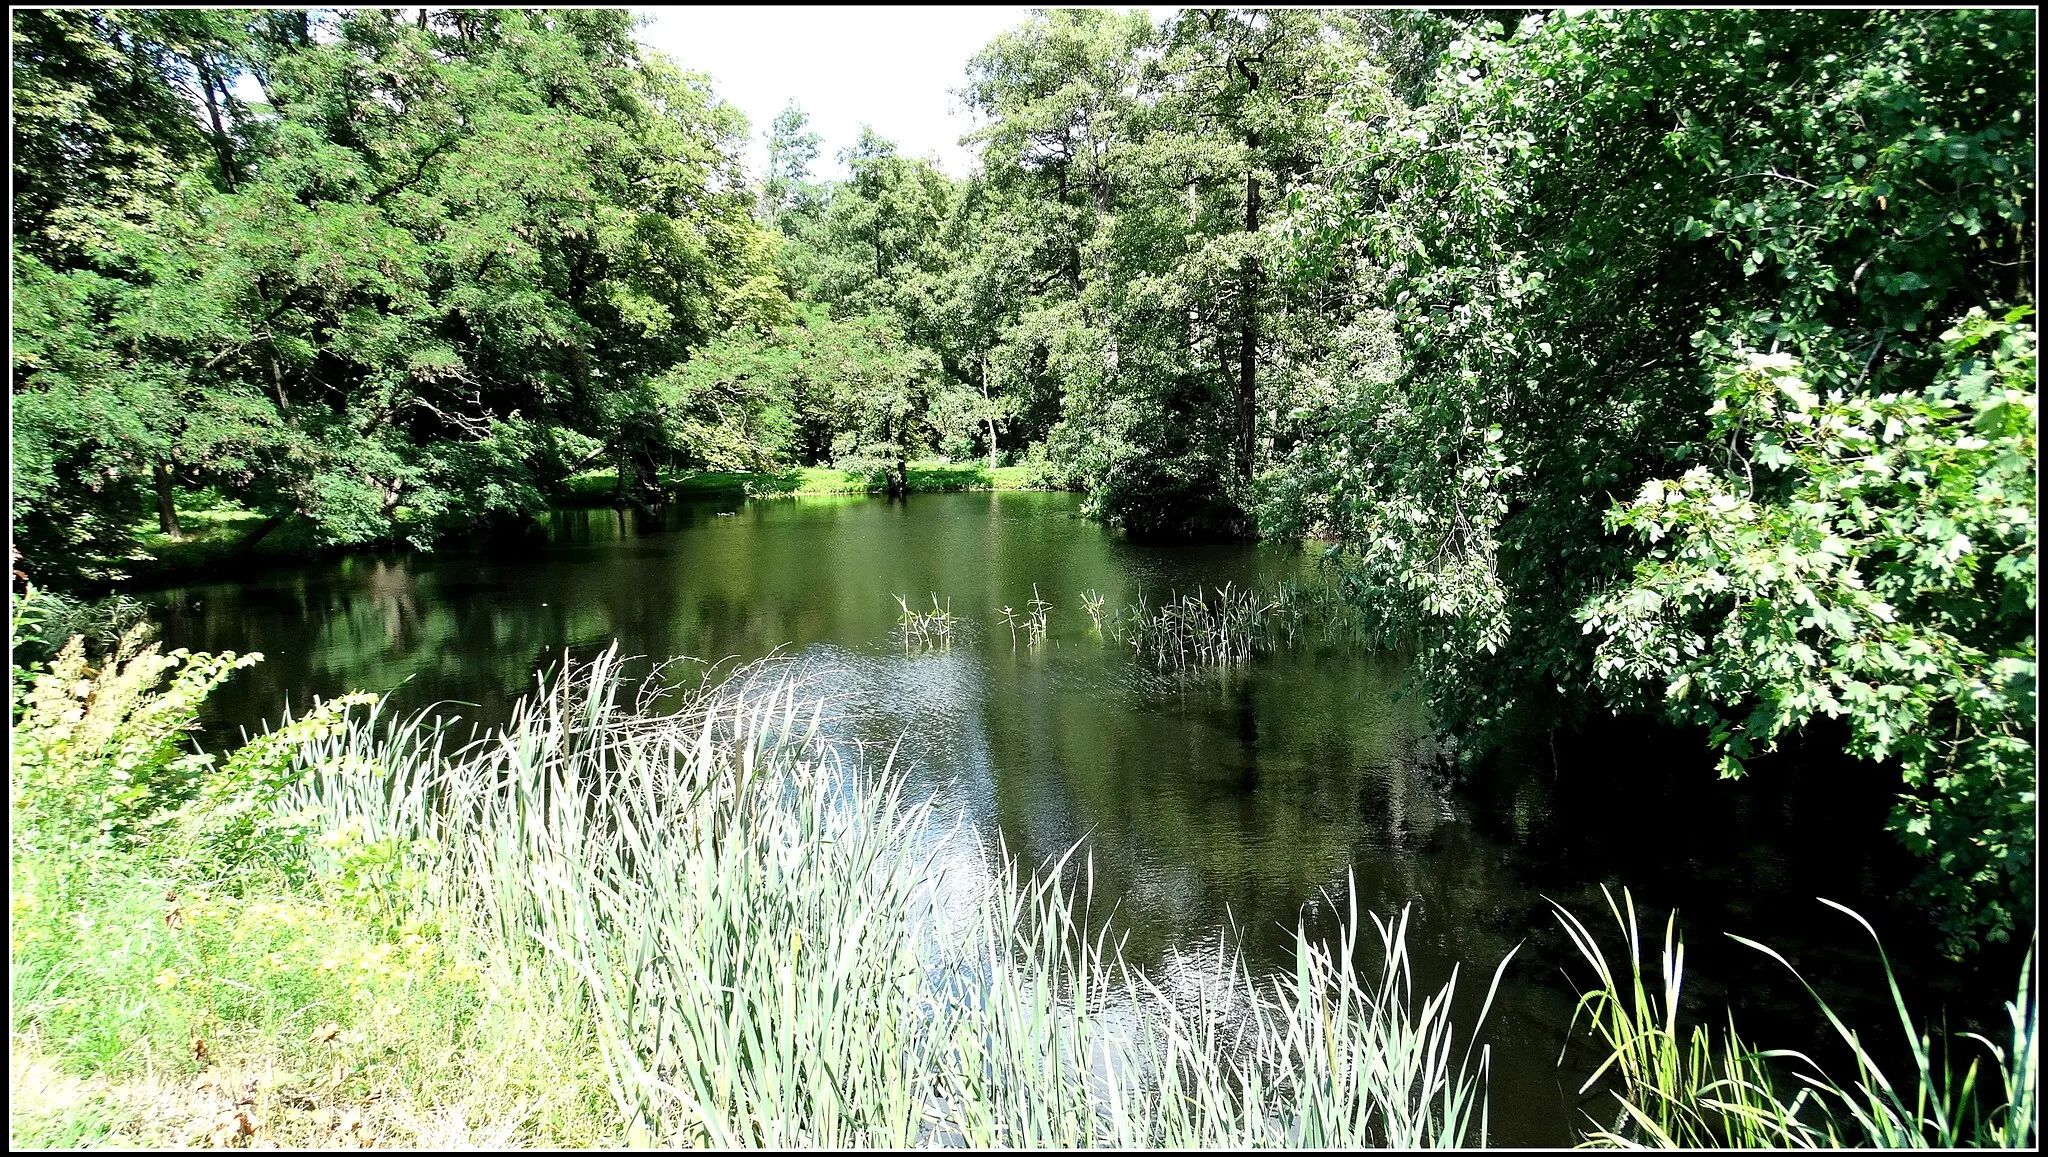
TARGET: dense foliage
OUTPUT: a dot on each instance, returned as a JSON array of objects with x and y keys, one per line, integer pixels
[
  {"x": 442, "y": 263},
  {"x": 1667, "y": 360},
  {"x": 1709, "y": 260}
]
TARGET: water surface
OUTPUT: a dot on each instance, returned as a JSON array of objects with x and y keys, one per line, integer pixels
[{"x": 1233, "y": 803}]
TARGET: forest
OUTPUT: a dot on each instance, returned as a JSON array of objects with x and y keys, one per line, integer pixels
[{"x": 1654, "y": 362}]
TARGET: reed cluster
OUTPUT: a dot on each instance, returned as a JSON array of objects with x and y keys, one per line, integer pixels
[
  {"x": 1315, "y": 612},
  {"x": 1675, "y": 1088},
  {"x": 1033, "y": 619},
  {"x": 1228, "y": 625},
  {"x": 933, "y": 628},
  {"x": 760, "y": 933},
  {"x": 1215, "y": 628}
]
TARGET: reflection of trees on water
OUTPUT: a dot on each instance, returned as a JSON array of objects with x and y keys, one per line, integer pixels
[
  {"x": 389, "y": 588},
  {"x": 1242, "y": 794}
]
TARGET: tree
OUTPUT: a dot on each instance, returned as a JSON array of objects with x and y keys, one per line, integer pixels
[
  {"x": 787, "y": 190},
  {"x": 1867, "y": 558},
  {"x": 372, "y": 301},
  {"x": 1139, "y": 163},
  {"x": 1572, "y": 233},
  {"x": 880, "y": 228}
]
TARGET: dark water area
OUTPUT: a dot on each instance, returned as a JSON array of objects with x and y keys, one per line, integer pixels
[{"x": 1237, "y": 802}]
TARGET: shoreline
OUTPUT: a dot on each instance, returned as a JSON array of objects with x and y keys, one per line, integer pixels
[{"x": 211, "y": 552}]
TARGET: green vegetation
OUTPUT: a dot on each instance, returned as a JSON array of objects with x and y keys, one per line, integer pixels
[
  {"x": 607, "y": 923},
  {"x": 1692, "y": 1091},
  {"x": 1678, "y": 362},
  {"x": 599, "y": 924},
  {"x": 1640, "y": 360},
  {"x": 1228, "y": 624},
  {"x": 1714, "y": 391},
  {"x": 444, "y": 264},
  {"x": 926, "y": 477},
  {"x": 933, "y": 628},
  {"x": 180, "y": 973}
]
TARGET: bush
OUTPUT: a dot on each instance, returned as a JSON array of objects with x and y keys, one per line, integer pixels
[{"x": 95, "y": 752}]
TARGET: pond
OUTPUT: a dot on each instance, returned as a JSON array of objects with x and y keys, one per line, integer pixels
[{"x": 1240, "y": 800}]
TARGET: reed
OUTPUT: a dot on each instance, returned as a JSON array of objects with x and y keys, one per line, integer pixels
[
  {"x": 1033, "y": 619},
  {"x": 929, "y": 629},
  {"x": 763, "y": 937},
  {"x": 1097, "y": 608},
  {"x": 1037, "y": 618},
  {"x": 1682, "y": 1088},
  {"x": 1225, "y": 626},
  {"x": 1313, "y": 612}
]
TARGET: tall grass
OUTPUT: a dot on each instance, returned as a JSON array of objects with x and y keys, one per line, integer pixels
[
  {"x": 1214, "y": 628},
  {"x": 1228, "y": 625},
  {"x": 773, "y": 949},
  {"x": 42, "y": 621},
  {"x": 1679, "y": 1089},
  {"x": 1313, "y": 611}
]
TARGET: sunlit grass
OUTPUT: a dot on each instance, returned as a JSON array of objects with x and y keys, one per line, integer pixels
[
  {"x": 147, "y": 1008},
  {"x": 773, "y": 952},
  {"x": 1686, "y": 1088},
  {"x": 926, "y": 477}
]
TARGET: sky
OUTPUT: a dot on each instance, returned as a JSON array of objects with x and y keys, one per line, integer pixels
[{"x": 894, "y": 68}]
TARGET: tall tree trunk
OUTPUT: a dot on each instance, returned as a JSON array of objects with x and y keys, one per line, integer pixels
[
  {"x": 1073, "y": 251},
  {"x": 221, "y": 150},
  {"x": 1098, "y": 194},
  {"x": 896, "y": 475},
  {"x": 167, "y": 504},
  {"x": 989, "y": 413},
  {"x": 284, "y": 405},
  {"x": 1248, "y": 336},
  {"x": 1194, "y": 311}
]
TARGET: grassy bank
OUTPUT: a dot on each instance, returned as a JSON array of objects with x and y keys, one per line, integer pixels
[
  {"x": 214, "y": 539},
  {"x": 610, "y": 925},
  {"x": 682, "y": 919},
  {"x": 928, "y": 477},
  {"x": 214, "y": 528}
]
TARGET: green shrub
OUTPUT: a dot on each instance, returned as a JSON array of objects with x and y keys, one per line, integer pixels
[{"x": 95, "y": 753}]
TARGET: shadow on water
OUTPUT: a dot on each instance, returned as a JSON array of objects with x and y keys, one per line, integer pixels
[{"x": 1213, "y": 803}]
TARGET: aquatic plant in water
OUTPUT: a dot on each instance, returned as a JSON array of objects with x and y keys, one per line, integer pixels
[
  {"x": 1198, "y": 630},
  {"x": 1034, "y": 619},
  {"x": 1691, "y": 1090},
  {"x": 1229, "y": 625},
  {"x": 933, "y": 628}
]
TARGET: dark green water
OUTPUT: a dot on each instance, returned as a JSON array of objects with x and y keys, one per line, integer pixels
[{"x": 1234, "y": 800}]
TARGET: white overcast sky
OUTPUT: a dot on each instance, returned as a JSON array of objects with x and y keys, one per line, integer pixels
[{"x": 894, "y": 69}]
